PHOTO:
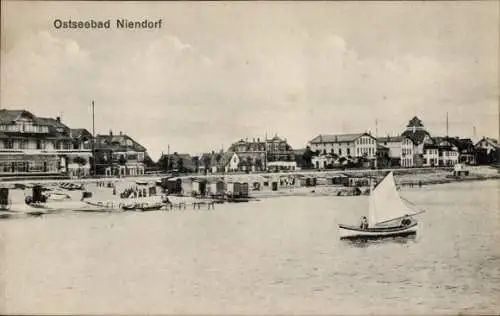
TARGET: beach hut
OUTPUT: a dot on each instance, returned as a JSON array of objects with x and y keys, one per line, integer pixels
[
  {"x": 173, "y": 185},
  {"x": 340, "y": 179},
  {"x": 216, "y": 187},
  {"x": 199, "y": 187},
  {"x": 4, "y": 198}
]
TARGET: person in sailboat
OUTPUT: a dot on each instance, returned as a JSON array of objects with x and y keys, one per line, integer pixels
[
  {"x": 364, "y": 223},
  {"x": 406, "y": 221}
]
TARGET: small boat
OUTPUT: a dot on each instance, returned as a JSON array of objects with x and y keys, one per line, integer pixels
[
  {"x": 150, "y": 207},
  {"x": 388, "y": 215},
  {"x": 129, "y": 207}
]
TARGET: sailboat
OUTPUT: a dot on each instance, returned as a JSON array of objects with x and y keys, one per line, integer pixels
[{"x": 388, "y": 215}]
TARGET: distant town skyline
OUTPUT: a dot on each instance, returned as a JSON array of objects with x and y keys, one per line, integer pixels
[{"x": 218, "y": 72}]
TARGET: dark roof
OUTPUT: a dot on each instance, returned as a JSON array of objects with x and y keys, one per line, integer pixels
[
  {"x": 56, "y": 129},
  {"x": 257, "y": 145},
  {"x": 117, "y": 143},
  {"x": 416, "y": 136},
  {"x": 415, "y": 121},
  {"x": 327, "y": 138},
  {"x": 80, "y": 133},
  {"x": 493, "y": 142},
  {"x": 389, "y": 139},
  {"x": 8, "y": 116}
]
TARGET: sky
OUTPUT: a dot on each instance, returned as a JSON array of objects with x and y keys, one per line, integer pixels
[{"x": 218, "y": 71}]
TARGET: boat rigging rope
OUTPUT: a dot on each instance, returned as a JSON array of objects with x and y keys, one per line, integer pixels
[{"x": 412, "y": 204}]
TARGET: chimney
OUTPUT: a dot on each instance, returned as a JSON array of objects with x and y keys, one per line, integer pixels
[
  {"x": 121, "y": 133},
  {"x": 110, "y": 133},
  {"x": 58, "y": 119}
]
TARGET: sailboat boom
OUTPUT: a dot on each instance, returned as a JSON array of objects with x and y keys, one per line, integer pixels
[{"x": 393, "y": 219}]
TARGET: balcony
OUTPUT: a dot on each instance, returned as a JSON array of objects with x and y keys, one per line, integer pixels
[{"x": 44, "y": 151}]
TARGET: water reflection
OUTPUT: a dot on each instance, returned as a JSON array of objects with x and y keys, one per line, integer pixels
[{"x": 363, "y": 243}]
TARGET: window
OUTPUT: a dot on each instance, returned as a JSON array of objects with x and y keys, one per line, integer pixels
[
  {"x": 36, "y": 166},
  {"x": 8, "y": 144},
  {"x": 348, "y": 151},
  {"x": 340, "y": 151},
  {"x": 23, "y": 144}
]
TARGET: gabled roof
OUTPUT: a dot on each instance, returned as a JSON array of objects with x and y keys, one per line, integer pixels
[
  {"x": 491, "y": 141},
  {"x": 226, "y": 158},
  {"x": 328, "y": 138},
  {"x": 117, "y": 143},
  {"x": 415, "y": 121},
  {"x": 417, "y": 136},
  {"x": 8, "y": 116},
  {"x": 80, "y": 133}
]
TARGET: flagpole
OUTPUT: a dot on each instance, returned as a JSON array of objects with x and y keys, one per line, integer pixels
[{"x": 93, "y": 139}]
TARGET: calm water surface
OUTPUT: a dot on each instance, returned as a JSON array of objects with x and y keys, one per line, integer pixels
[{"x": 279, "y": 255}]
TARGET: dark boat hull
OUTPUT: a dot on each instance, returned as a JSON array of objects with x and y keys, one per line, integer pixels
[{"x": 347, "y": 232}]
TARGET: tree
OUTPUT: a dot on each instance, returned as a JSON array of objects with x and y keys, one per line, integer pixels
[
  {"x": 249, "y": 161},
  {"x": 206, "y": 162},
  {"x": 493, "y": 156},
  {"x": 196, "y": 161},
  {"x": 148, "y": 162},
  {"x": 162, "y": 162},
  {"x": 180, "y": 164},
  {"x": 307, "y": 157}
]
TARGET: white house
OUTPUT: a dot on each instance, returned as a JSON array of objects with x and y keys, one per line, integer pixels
[
  {"x": 431, "y": 155},
  {"x": 401, "y": 149},
  {"x": 487, "y": 143},
  {"x": 448, "y": 153},
  {"x": 233, "y": 163},
  {"x": 442, "y": 153},
  {"x": 346, "y": 145},
  {"x": 38, "y": 145},
  {"x": 322, "y": 161}
]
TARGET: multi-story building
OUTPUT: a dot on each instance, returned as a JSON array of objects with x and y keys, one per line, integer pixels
[
  {"x": 464, "y": 147},
  {"x": 255, "y": 155},
  {"x": 401, "y": 150},
  {"x": 431, "y": 155},
  {"x": 416, "y": 132},
  {"x": 31, "y": 145},
  {"x": 442, "y": 153},
  {"x": 487, "y": 151},
  {"x": 346, "y": 145},
  {"x": 119, "y": 155}
]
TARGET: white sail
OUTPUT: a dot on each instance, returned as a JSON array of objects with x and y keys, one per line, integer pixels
[{"x": 385, "y": 202}]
